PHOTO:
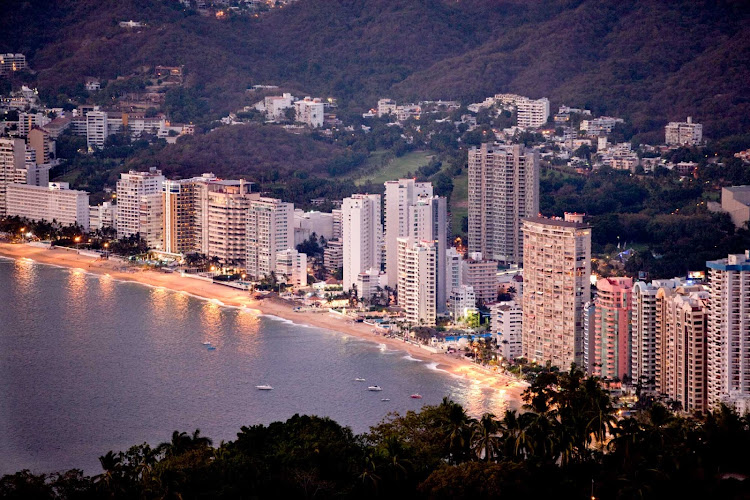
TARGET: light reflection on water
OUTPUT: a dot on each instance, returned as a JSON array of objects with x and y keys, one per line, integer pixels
[{"x": 105, "y": 364}]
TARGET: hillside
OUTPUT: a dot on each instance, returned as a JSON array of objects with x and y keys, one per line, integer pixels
[
  {"x": 296, "y": 167},
  {"x": 647, "y": 61}
]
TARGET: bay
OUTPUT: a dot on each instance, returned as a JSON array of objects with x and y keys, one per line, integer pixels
[{"x": 89, "y": 364}]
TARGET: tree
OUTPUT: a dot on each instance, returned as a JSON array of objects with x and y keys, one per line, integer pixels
[{"x": 485, "y": 441}]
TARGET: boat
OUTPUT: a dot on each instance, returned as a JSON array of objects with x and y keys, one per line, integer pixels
[
  {"x": 207, "y": 343},
  {"x": 374, "y": 388},
  {"x": 211, "y": 348},
  {"x": 264, "y": 387},
  {"x": 386, "y": 399},
  {"x": 359, "y": 379},
  {"x": 416, "y": 396}
]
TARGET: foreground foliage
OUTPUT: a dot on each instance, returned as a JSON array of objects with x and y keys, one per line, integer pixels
[{"x": 566, "y": 443}]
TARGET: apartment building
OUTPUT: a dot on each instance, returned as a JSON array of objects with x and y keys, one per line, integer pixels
[
  {"x": 362, "y": 236},
  {"x": 729, "y": 331},
  {"x": 556, "y": 285},
  {"x": 417, "y": 279},
  {"x": 12, "y": 159},
  {"x": 386, "y": 107},
  {"x": 270, "y": 230},
  {"x": 532, "y": 113},
  {"x": 453, "y": 265},
  {"x": 136, "y": 192},
  {"x": 277, "y": 105},
  {"x": 10, "y": 63},
  {"x": 40, "y": 142},
  {"x": 310, "y": 111},
  {"x": 481, "y": 275},
  {"x": 54, "y": 202},
  {"x": 506, "y": 321},
  {"x": 28, "y": 121},
  {"x": 333, "y": 255},
  {"x": 399, "y": 196},
  {"x": 369, "y": 283},
  {"x": 291, "y": 267},
  {"x": 684, "y": 133},
  {"x": 461, "y": 302},
  {"x": 681, "y": 320},
  {"x": 646, "y": 327},
  {"x": 338, "y": 224},
  {"x": 503, "y": 190},
  {"x": 103, "y": 215},
  {"x": 611, "y": 333},
  {"x": 96, "y": 129}
]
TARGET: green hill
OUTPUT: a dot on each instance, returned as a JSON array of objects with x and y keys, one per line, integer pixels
[{"x": 648, "y": 61}]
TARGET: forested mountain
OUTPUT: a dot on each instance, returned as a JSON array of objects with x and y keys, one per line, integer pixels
[{"x": 647, "y": 61}]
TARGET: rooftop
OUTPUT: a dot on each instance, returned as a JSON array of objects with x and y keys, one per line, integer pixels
[{"x": 556, "y": 222}]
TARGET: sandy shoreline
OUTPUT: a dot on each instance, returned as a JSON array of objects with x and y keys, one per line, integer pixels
[{"x": 274, "y": 307}]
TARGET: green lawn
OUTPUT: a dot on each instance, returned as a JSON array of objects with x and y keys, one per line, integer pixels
[
  {"x": 69, "y": 177},
  {"x": 375, "y": 171},
  {"x": 459, "y": 201}
]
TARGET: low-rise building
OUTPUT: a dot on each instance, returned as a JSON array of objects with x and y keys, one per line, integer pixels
[
  {"x": 101, "y": 216},
  {"x": 54, "y": 202},
  {"x": 735, "y": 201},
  {"x": 10, "y": 63},
  {"x": 684, "y": 133},
  {"x": 461, "y": 302},
  {"x": 600, "y": 126},
  {"x": 369, "y": 283},
  {"x": 532, "y": 113},
  {"x": 386, "y": 107},
  {"x": 310, "y": 111},
  {"x": 291, "y": 267},
  {"x": 277, "y": 105}
]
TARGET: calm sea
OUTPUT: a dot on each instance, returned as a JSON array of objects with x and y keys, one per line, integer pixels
[{"x": 89, "y": 364}]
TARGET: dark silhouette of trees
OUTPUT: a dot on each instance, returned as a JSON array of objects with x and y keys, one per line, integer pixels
[{"x": 566, "y": 441}]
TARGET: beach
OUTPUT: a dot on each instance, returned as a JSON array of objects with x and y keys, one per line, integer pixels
[{"x": 227, "y": 296}]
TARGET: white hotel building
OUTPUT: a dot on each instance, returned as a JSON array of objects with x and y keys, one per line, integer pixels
[
  {"x": 137, "y": 194},
  {"x": 55, "y": 202},
  {"x": 417, "y": 280},
  {"x": 270, "y": 230},
  {"x": 532, "y": 113},
  {"x": 362, "y": 236}
]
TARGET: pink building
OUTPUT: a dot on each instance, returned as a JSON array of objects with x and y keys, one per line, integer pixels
[{"x": 611, "y": 329}]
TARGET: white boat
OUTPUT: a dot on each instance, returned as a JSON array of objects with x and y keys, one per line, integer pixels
[
  {"x": 386, "y": 399},
  {"x": 374, "y": 388},
  {"x": 264, "y": 387},
  {"x": 359, "y": 379},
  {"x": 206, "y": 343}
]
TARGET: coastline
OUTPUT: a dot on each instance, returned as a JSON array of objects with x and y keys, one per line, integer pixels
[{"x": 122, "y": 271}]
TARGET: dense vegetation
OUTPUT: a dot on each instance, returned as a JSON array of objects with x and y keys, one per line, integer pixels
[
  {"x": 647, "y": 61},
  {"x": 663, "y": 215},
  {"x": 568, "y": 443}
]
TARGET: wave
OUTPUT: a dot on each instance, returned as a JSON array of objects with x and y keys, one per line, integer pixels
[
  {"x": 290, "y": 322},
  {"x": 410, "y": 358}
]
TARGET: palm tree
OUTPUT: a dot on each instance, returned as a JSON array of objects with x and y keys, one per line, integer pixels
[
  {"x": 112, "y": 465},
  {"x": 485, "y": 441},
  {"x": 182, "y": 442},
  {"x": 458, "y": 430},
  {"x": 369, "y": 471}
]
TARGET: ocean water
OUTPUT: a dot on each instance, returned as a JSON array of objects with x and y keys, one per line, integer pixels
[{"x": 90, "y": 364}]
